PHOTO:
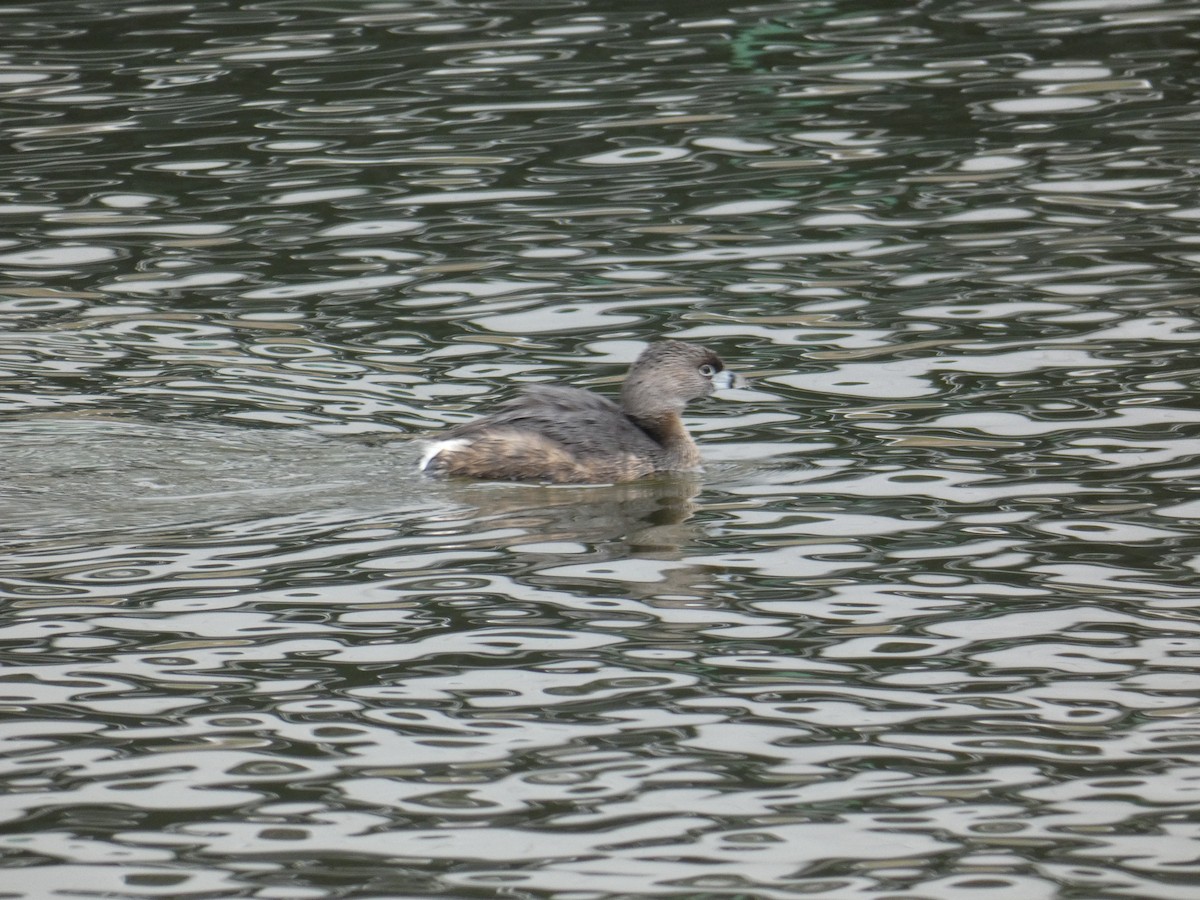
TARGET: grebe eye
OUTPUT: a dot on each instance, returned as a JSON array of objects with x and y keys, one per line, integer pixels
[{"x": 708, "y": 371}]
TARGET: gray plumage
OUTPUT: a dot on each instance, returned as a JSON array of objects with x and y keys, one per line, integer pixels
[{"x": 570, "y": 435}]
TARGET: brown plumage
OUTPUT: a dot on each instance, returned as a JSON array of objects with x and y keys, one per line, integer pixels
[{"x": 568, "y": 435}]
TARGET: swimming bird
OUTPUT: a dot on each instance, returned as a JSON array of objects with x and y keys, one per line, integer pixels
[{"x": 568, "y": 435}]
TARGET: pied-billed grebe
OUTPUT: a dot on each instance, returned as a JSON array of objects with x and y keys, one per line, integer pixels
[{"x": 567, "y": 435}]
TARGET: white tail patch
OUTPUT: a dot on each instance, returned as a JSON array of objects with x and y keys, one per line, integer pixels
[{"x": 437, "y": 447}]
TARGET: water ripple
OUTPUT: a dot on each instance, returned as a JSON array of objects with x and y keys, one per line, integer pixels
[{"x": 925, "y": 625}]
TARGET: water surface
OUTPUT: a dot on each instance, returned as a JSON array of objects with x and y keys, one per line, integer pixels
[{"x": 926, "y": 625}]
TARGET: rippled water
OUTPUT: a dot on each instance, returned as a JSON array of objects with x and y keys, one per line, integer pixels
[{"x": 926, "y": 626}]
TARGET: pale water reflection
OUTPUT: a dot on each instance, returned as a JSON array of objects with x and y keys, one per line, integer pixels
[{"x": 926, "y": 625}]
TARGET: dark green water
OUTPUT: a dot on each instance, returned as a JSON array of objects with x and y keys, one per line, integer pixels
[{"x": 924, "y": 628}]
